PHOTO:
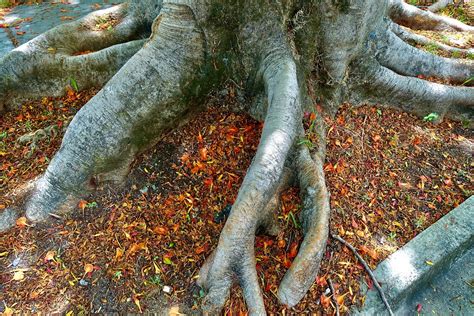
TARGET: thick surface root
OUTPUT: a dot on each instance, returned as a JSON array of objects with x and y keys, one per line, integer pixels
[
  {"x": 315, "y": 217},
  {"x": 132, "y": 113},
  {"x": 415, "y": 95},
  {"x": 439, "y": 5},
  {"x": 407, "y": 60},
  {"x": 413, "y": 38},
  {"x": 78, "y": 51},
  {"x": 234, "y": 255},
  {"x": 417, "y": 19}
]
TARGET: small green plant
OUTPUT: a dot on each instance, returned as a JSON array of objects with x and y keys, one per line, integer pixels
[
  {"x": 156, "y": 280},
  {"x": 293, "y": 219},
  {"x": 73, "y": 84},
  {"x": 432, "y": 48},
  {"x": 470, "y": 56},
  {"x": 431, "y": 117},
  {"x": 306, "y": 142},
  {"x": 468, "y": 81},
  {"x": 5, "y": 3},
  {"x": 420, "y": 221},
  {"x": 456, "y": 54},
  {"x": 392, "y": 236},
  {"x": 91, "y": 204}
]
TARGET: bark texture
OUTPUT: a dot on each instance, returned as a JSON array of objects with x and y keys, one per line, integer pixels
[{"x": 287, "y": 55}]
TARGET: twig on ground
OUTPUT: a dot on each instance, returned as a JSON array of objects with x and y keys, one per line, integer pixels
[
  {"x": 367, "y": 268},
  {"x": 334, "y": 296}
]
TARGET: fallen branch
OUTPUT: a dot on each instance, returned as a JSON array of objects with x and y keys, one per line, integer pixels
[
  {"x": 334, "y": 300},
  {"x": 367, "y": 268}
]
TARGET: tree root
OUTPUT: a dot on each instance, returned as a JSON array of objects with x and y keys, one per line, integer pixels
[
  {"x": 235, "y": 252},
  {"x": 439, "y": 5},
  {"x": 368, "y": 270},
  {"x": 315, "y": 218},
  {"x": 47, "y": 64},
  {"x": 413, "y": 38},
  {"x": 132, "y": 113},
  {"x": 417, "y": 19},
  {"x": 417, "y": 96},
  {"x": 410, "y": 61}
]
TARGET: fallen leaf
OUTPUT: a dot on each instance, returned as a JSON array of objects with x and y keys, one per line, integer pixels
[
  {"x": 88, "y": 268},
  {"x": 18, "y": 275},
  {"x": 82, "y": 204},
  {"x": 21, "y": 222},
  {"x": 325, "y": 301},
  {"x": 50, "y": 255}
]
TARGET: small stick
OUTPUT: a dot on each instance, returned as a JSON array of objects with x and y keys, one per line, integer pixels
[
  {"x": 367, "y": 268},
  {"x": 334, "y": 296}
]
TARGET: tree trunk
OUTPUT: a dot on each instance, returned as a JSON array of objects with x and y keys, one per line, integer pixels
[{"x": 288, "y": 55}]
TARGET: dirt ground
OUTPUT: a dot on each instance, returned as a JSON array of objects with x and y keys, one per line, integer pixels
[
  {"x": 390, "y": 174},
  {"x": 138, "y": 248}
]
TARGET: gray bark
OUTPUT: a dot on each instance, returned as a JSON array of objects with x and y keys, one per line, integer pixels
[
  {"x": 439, "y": 5},
  {"x": 295, "y": 53}
]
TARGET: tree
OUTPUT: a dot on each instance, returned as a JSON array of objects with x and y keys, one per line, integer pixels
[{"x": 287, "y": 55}]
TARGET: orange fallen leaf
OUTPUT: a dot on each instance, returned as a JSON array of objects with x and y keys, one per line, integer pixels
[
  {"x": 293, "y": 250},
  {"x": 160, "y": 230},
  {"x": 118, "y": 253},
  {"x": 325, "y": 301},
  {"x": 88, "y": 268},
  {"x": 137, "y": 247},
  {"x": 82, "y": 204}
]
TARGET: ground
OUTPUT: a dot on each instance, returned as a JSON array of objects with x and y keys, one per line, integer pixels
[{"x": 390, "y": 175}]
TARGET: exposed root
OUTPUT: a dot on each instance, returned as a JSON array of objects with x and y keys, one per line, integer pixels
[
  {"x": 48, "y": 63},
  {"x": 439, "y": 5},
  {"x": 125, "y": 117},
  {"x": 315, "y": 218},
  {"x": 407, "y": 60},
  {"x": 235, "y": 252},
  {"x": 413, "y": 38},
  {"x": 368, "y": 270},
  {"x": 415, "y": 95},
  {"x": 417, "y": 19}
]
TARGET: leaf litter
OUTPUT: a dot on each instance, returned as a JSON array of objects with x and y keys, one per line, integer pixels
[{"x": 139, "y": 248}]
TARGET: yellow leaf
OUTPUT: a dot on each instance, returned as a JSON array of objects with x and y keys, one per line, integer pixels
[
  {"x": 4, "y": 254},
  {"x": 137, "y": 302},
  {"x": 174, "y": 311},
  {"x": 50, "y": 255},
  {"x": 118, "y": 253},
  {"x": 8, "y": 311},
  {"x": 88, "y": 268},
  {"x": 429, "y": 263},
  {"x": 70, "y": 313},
  {"x": 19, "y": 275},
  {"x": 21, "y": 222}
]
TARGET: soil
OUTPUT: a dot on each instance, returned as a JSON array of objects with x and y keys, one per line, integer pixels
[{"x": 390, "y": 174}]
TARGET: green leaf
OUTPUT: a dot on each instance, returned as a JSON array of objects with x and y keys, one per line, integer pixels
[
  {"x": 431, "y": 117},
  {"x": 167, "y": 260},
  {"x": 73, "y": 84}
]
